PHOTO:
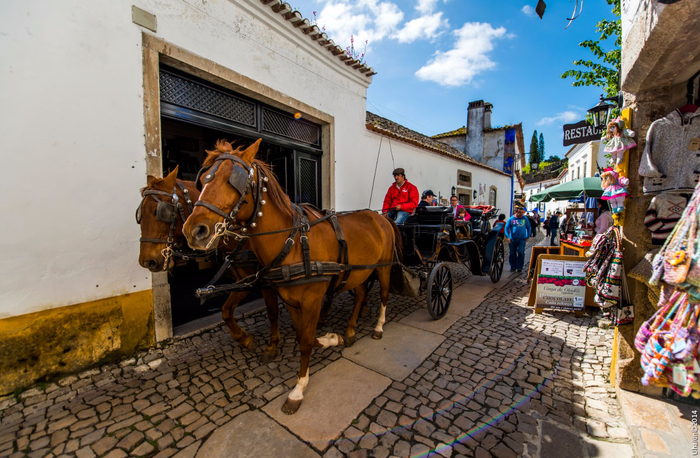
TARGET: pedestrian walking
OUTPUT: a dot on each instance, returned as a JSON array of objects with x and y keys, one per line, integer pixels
[
  {"x": 517, "y": 232},
  {"x": 546, "y": 223},
  {"x": 553, "y": 227}
]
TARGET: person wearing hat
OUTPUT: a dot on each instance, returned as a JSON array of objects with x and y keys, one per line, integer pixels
[
  {"x": 401, "y": 199},
  {"x": 427, "y": 198}
]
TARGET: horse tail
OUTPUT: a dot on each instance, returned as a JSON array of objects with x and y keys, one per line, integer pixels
[{"x": 398, "y": 240}]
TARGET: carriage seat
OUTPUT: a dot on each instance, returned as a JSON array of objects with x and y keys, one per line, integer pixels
[
  {"x": 433, "y": 215},
  {"x": 475, "y": 213}
]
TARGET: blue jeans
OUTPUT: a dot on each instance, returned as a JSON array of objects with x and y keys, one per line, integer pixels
[
  {"x": 398, "y": 216},
  {"x": 553, "y": 237},
  {"x": 517, "y": 253}
]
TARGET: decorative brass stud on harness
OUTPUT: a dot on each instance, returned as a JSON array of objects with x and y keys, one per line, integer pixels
[
  {"x": 263, "y": 202},
  {"x": 253, "y": 224}
]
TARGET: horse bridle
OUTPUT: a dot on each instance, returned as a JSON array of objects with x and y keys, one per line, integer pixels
[
  {"x": 242, "y": 179},
  {"x": 166, "y": 213}
]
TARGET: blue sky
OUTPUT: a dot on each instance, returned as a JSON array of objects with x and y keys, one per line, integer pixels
[{"x": 435, "y": 56}]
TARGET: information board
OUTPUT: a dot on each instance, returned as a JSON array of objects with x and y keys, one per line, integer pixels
[{"x": 560, "y": 284}]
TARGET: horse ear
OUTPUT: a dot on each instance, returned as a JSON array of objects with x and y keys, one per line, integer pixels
[
  {"x": 249, "y": 154},
  {"x": 169, "y": 181},
  {"x": 150, "y": 179}
]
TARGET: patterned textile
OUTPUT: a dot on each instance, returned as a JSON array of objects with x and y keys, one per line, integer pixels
[{"x": 662, "y": 215}]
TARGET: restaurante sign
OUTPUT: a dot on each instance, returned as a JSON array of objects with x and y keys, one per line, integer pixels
[{"x": 581, "y": 132}]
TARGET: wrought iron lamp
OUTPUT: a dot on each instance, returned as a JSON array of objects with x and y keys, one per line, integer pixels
[{"x": 602, "y": 111}]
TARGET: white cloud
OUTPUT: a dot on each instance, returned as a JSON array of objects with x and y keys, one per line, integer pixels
[
  {"x": 528, "y": 10},
  {"x": 468, "y": 58},
  {"x": 426, "y": 6},
  {"x": 422, "y": 27},
  {"x": 366, "y": 20},
  {"x": 564, "y": 117}
]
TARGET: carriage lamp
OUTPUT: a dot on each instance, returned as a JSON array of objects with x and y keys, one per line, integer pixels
[{"x": 601, "y": 112}]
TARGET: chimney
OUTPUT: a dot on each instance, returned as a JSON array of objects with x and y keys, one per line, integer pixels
[
  {"x": 487, "y": 116},
  {"x": 475, "y": 129}
]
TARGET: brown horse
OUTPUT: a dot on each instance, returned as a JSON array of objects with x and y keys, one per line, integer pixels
[
  {"x": 231, "y": 194},
  {"x": 160, "y": 218}
]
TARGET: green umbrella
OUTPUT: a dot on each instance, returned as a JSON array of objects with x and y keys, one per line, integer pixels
[{"x": 588, "y": 187}]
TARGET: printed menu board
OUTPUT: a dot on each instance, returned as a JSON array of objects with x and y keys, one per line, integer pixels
[{"x": 560, "y": 285}]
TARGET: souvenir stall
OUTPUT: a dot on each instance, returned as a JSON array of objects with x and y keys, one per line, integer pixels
[{"x": 670, "y": 168}]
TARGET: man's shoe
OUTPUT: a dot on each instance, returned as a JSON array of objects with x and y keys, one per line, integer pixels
[
  {"x": 520, "y": 270},
  {"x": 512, "y": 270}
]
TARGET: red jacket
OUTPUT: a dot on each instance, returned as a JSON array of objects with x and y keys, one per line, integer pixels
[{"x": 407, "y": 197}]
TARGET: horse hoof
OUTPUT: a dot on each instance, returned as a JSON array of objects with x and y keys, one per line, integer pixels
[
  {"x": 290, "y": 406},
  {"x": 350, "y": 340},
  {"x": 376, "y": 335},
  {"x": 364, "y": 312},
  {"x": 268, "y": 356},
  {"x": 251, "y": 344}
]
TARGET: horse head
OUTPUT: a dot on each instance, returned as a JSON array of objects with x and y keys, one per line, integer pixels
[
  {"x": 160, "y": 215},
  {"x": 235, "y": 190}
]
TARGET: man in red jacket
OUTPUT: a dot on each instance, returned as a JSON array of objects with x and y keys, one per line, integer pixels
[{"x": 401, "y": 198}]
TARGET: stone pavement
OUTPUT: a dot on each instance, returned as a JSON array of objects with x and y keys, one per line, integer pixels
[{"x": 489, "y": 379}]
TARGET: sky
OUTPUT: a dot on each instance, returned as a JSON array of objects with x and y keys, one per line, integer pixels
[{"x": 433, "y": 57}]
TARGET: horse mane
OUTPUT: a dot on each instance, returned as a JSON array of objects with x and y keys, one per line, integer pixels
[{"x": 275, "y": 192}]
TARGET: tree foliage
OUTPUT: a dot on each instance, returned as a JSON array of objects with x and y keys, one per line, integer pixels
[
  {"x": 534, "y": 149},
  {"x": 603, "y": 71},
  {"x": 540, "y": 148}
]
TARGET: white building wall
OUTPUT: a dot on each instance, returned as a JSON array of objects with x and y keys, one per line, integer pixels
[
  {"x": 494, "y": 144},
  {"x": 425, "y": 169},
  {"x": 72, "y": 113},
  {"x": 584, "y": 160}
]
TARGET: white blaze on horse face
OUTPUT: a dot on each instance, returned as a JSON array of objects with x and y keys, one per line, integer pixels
[
  {"x": 382, "y": 319},
  {"x": 297, "y": 393},
  {"x": 329, "y": 340}
]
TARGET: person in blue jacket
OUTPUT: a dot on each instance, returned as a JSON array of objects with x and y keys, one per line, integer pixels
[{"x": 517, "y": 232}]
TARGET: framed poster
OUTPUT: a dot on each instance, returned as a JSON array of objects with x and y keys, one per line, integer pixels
[{"x": 560, "y": 284}]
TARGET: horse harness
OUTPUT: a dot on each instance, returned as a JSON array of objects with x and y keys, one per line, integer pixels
[
  {"x": 167, "y": 212},
  {"x": 274, "y": 275}
]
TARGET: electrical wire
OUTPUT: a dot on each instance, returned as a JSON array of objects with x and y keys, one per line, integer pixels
[{"x": 369, "y": 204}]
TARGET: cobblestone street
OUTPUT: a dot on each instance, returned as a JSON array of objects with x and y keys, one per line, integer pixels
[{"x": 501, "y": 382}]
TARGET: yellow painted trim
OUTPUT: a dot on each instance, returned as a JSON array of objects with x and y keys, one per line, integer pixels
[
  {"x": 68, "y": 339},
  {"x": 623, "y": 167},
  {"x": 613, "y": 362}
]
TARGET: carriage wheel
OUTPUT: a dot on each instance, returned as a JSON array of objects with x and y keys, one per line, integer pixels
[
  {"x": 439, "y": 291},
  {"x": 499, "y": 257}
]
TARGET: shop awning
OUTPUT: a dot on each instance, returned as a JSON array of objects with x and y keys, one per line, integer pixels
[{"x": 588, "y": 187}]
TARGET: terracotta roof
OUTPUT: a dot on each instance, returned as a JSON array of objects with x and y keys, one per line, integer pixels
[
  {"x": 314, "y": 33},
  {"x": 453, "y": 133},
  {"x": 463, "y": 131},
  {"x": 391, "y": 129}
]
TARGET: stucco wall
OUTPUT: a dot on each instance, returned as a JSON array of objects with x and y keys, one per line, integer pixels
[
  {"x": 587, "y": 156},
  {"x": 458, "y": 143},
  {"x": 427, "y": 170},
  {"x": 494, "y": 143},
  {"x": 73, "y": 118}
]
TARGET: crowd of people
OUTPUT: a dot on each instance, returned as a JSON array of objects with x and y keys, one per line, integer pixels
[{"x": 402, "y": 198}]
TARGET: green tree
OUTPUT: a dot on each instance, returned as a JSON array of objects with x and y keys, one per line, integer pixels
[
  {"x": 534, "y": 149},
  {"x": 540, "y": 148},
  {"x": 603, "y": 70},
  {"x": 554, "y": 159}
]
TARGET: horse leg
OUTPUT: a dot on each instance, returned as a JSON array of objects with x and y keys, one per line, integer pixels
[
  {"x": 273, "y": 311},
  {"x": 364, "y": 309},
  {"x": 305, "y": 321},
  {"x": 360, "y": 295},
  {"x": 384, "y": 274},
  {"x": 246, "y": 340},
  {"x": 325, "y": 309}
]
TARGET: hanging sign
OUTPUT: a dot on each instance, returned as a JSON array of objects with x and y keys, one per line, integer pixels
[
  {"x": 581, "y": 132},
  {"x": 561, "y": 285}
]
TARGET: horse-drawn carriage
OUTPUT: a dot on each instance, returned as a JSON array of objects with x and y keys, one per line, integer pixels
[
  {"x": 431, "y": 238},
  {"x": 305, "y": 256}
]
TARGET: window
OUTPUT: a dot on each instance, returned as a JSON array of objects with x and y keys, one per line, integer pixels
[
  {"x": 464, "y": 178},
  {"x": 585, "y": 166},
  {"x": 578, "y": 172},
  {"x": 492, "y": 196}
]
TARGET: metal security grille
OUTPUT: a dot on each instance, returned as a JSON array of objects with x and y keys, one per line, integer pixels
[
  {"x": 308, "y": 184},
  {"x": 286, "y": 126},
  {"x": 188, "y": 94}
]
